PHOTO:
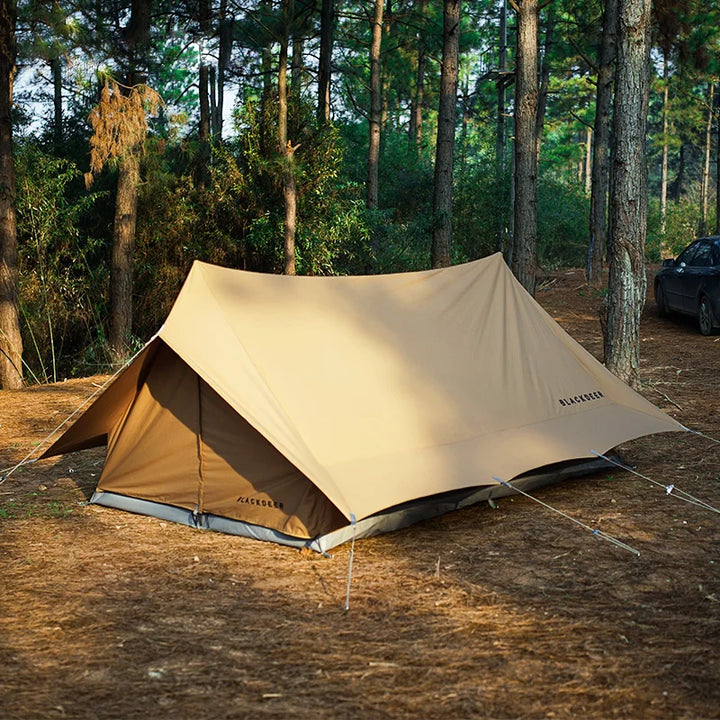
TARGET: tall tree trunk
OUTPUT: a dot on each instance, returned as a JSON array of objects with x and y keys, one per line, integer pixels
[
  {"x": 626, "y": 247},
  {"x": 467, "y": 108},
  {"x": 299, "y": 31},
  {"x": 524, "y": 260},
  {"x": 717, "y": 160},
  {"x": 440, "y": 255},
  {"x": 677, "y": 187},
  {"x": 601, "y": 153},
  {"x": 138, "y": 39},
  {"x": 224, "y": 55},
  {"x": 327, "y": 27},
  {"x": 10, "y": 339},
  {"x": 511, "y": 211},
  {"x": 204, "y": 129},
  {"x": 385, "y": 74},
  {"x": 285, "y": 146},
  {"x": 297, "y": 62},
  {"x": 56, "y": 67},
  {"x": 266, "y": 18},
  {"x": 290, "y": 226},
  {"x": 121, "y": 272},
  {"x": 588, "y": 159},
  {"x": 212, "y": 83},
  {"x": 373, "y": 168},
  {"x": 204, "y": 98},
  {"x": 416, "y": 103},
  {"x": 664, "y": 166},
  {"x": 544, "y": 82},
  {"x": 705, "y": 184},
  {"x": 500, "y": 124}
]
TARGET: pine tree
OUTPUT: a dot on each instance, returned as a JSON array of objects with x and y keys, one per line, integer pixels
[
  {"x": 11, "y": 348},
  {"x": 628, "y": 208}
]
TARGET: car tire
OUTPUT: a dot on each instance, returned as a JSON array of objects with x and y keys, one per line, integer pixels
[
  {"x": 662, "y": 309},
  {"x": 705, "y": 318}
]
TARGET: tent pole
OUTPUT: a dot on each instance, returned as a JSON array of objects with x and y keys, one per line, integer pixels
[{"x": 350, "y": 564}]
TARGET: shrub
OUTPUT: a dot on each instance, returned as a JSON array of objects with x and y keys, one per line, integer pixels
[
  {"x": 563, "y": 223},
  {"x": 62, "y": 278}
]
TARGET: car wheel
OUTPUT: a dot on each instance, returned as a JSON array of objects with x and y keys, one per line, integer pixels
[
  {"x": 662, "y": 309},
  {"x": 705, "y": 320}
]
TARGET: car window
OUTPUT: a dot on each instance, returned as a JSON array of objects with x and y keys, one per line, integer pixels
[
  {"x": 687, "y": 255},
  {"x": 716, "y": 252},
  {"x": 701, "y": 258}
]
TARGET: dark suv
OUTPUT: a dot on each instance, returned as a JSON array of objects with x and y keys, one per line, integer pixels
[{"x": 690, "y": 284}]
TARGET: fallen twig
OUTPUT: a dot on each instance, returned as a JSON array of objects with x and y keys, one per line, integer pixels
[{"x": 660, "y": 392}]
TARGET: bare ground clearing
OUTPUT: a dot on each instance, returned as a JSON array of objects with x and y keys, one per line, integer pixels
[{"x": 506, "y": 613}]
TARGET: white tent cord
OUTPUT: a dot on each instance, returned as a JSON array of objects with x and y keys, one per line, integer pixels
[
  {"x": 594, "y": 531},
  {"x": 8, "y": 469},
  {"x": 702, "y": 435},
  {"x": 26, "y": 460},
  {"x": 669, "y": 489}
]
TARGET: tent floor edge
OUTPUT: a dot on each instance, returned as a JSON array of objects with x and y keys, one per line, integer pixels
[
  {"x": 202, "y": 521},
  {"x": 414, "y": 511},
  {"x": 394, "y": 518}
]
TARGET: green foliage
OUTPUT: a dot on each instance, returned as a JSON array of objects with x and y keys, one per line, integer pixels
[
  {"x": 481, "y": 211},
  {"x": 681, "y": 226},
  {"x": 326, "y": 201},
  {"x": 62, "y": 284},
  {"x": 406, "y": 177},
  {"x": 563, "y": 211},
  {"x": 236, "y": 220},
  {"x": 399, "y": 232},
  {"x": 401, "y": 246},
  {"x": 234, "y": 217}
]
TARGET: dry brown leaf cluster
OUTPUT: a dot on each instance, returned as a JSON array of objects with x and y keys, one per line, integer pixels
[{"x": 119, "y": 123}]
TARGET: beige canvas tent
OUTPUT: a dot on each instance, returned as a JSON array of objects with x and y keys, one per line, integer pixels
[{"x": 309, "y": 409}]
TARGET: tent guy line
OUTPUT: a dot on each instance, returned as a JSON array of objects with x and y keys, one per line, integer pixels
[
  {"x": 669, "y": 489},
  {"x": 595, "y": 531},
  {"x": 702, "y": 435},
  {"x": 26, "y": 460}
]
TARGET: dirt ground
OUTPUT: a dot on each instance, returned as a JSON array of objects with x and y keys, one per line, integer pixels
[{"x": 511, "y": 612}]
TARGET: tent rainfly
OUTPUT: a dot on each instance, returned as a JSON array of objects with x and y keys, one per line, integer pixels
[{"x": 309, "y": 410}]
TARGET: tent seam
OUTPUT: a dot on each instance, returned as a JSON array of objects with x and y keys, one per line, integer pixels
[{"x": 201, "y": 465}]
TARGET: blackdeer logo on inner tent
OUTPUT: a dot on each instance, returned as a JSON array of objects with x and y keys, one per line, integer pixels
[{"x": 261, "y": 503}]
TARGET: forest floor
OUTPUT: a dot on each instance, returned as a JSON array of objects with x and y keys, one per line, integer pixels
[{"x": 511, "y": 612}]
